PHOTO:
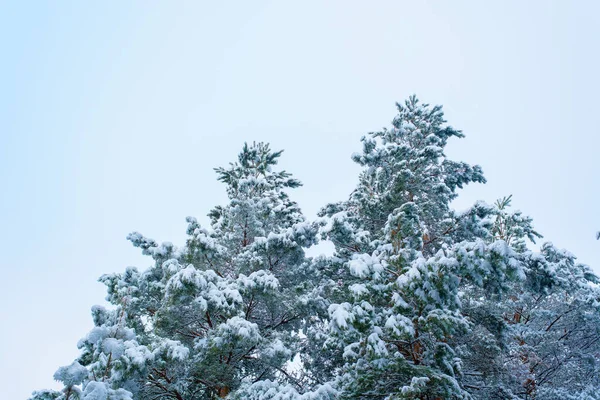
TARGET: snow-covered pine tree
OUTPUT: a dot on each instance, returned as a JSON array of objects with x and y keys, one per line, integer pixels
[
  {"x": 418, "y": 302},
  {"x": 418, "y": 292},
  {"x": 541, "y": 339},
  {"x": 396, "y": 304},
  {"x": 221, "y": 312}
]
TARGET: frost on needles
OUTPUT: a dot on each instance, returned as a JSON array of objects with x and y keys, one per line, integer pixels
[{"x": 418, "y": 301}]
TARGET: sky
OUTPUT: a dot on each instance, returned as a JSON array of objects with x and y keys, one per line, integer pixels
[{"x": 113, "y": 115}]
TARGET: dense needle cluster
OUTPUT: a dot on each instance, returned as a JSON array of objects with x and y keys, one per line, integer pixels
[{"x": 418, "y": 301}]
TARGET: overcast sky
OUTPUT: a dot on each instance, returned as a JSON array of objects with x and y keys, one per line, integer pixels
[{"x": 113, "y": 114}]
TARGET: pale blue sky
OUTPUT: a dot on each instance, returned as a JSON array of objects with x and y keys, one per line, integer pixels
[{"x": 113, "y": 114}]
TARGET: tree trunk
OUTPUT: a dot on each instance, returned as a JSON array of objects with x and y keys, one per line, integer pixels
[{"x": 222, "y": 392}]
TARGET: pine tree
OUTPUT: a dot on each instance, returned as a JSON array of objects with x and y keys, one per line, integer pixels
[
  {"x": 541, "y": 338},
  {"x": 418, "y": 301},
  {"x": 404, "y": 260},
  {"x": 219, "y": 312}
]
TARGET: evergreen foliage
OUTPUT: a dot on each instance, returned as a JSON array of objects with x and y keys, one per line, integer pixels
[{"x": 418, "y": 301}]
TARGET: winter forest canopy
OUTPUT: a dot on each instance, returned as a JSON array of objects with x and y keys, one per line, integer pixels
[{"x": 418, "y": 301}]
